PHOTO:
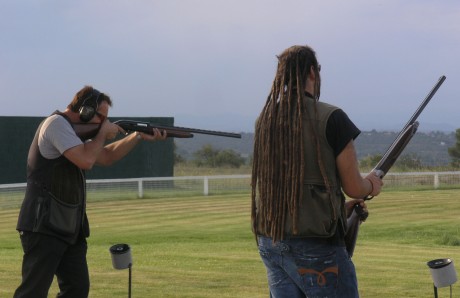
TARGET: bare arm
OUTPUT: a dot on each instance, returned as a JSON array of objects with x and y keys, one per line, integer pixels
[
  {"x": 94, "y": 152},
  {"x": 85, "y": 155},
  {"x": 115, "y": 151},
  {"x": 352, "y": 182}
]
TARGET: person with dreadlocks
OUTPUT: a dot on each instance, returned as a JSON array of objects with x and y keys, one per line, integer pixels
[{"x": 304, "y": 161}]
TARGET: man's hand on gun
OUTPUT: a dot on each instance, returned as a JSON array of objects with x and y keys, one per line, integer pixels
[
  {"x": 350, "y": 205},
  {"x": 157, "y": 135},
  {"x": 376, "y": 184},
  {"x": 110, "y": 130}
]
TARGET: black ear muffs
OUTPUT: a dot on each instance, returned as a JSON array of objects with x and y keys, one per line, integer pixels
[{"x": 89, "y": 106}]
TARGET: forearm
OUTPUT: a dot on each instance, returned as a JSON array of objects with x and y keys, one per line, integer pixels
[
  {"x": 353, "y": 184},
  {"x": 115, "y": 151},
  {"x": 357, "y": 187},
  {"x": 85, "y": 155}
]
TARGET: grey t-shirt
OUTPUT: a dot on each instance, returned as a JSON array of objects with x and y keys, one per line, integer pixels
[{"x": 56, "y": 136}]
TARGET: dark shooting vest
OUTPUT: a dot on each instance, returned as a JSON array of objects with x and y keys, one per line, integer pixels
[
  {"x": 55, "y": 198},
  {"x": 320, "y": 211}
]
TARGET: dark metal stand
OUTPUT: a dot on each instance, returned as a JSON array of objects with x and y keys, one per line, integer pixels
[
  {"x": 129, "y": 282},
  {"x": 435, "y": 291}
]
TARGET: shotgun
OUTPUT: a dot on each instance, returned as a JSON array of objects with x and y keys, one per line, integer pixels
[
  {"x": 88, "y": 130},
  {"x": 383, "y": 166}
]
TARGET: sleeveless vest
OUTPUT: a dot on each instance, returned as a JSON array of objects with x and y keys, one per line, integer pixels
[
  {"x": 55, "y": 198},
  {"x": 320, "y": 211}
]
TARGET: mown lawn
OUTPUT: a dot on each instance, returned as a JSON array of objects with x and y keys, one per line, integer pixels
[{"x": 203, "y": 246}]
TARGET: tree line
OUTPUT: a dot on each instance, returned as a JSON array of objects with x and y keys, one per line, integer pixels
[{"x": 209, "y": 156}]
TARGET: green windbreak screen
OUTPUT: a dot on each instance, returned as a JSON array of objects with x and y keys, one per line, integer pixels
[{"x": 148, "y": 159}]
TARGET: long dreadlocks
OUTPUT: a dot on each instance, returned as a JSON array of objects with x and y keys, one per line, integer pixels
[{"x": 278, "y": 165}]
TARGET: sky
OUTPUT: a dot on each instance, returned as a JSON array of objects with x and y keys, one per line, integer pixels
[{"x": 210, "y": 63}]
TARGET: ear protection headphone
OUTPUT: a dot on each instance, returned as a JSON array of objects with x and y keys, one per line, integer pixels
[{"x": 89, "y": 107}]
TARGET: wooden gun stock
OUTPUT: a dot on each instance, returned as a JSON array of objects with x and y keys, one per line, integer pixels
[{"x": 86, "y": 131}]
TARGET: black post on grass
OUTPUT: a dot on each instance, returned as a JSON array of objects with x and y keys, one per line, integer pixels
[
  {"x": 129, "y": 281},
  {"x": 435, "y": 291}
]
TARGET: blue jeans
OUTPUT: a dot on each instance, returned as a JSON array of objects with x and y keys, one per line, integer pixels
[{"x": 308, "y": 267}]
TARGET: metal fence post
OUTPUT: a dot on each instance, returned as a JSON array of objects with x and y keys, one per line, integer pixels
[
  {"x": 436, "y": 180},
  {"x": 140, "y": 190},
  {"x": 205, "y": 186}
]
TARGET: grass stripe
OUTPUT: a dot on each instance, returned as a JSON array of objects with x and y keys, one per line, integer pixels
[{"x": 203, "y": 247}]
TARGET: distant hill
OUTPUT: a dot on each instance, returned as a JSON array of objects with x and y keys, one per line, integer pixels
[
  {"x": 430, "y": 147},
  {"x": 186, "y": 147}
]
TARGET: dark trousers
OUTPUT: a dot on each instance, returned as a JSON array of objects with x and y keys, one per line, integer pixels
[{"x": 46, "y": 256}]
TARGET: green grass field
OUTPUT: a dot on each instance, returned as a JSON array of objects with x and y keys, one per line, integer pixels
[{"x": 203, "y": 246}]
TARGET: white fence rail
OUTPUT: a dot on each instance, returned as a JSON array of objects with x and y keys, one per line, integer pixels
[{"x": 11, "y": 195}]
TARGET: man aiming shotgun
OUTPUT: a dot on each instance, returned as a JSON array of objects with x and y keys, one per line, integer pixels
[{"x": 52, "y": 224}]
